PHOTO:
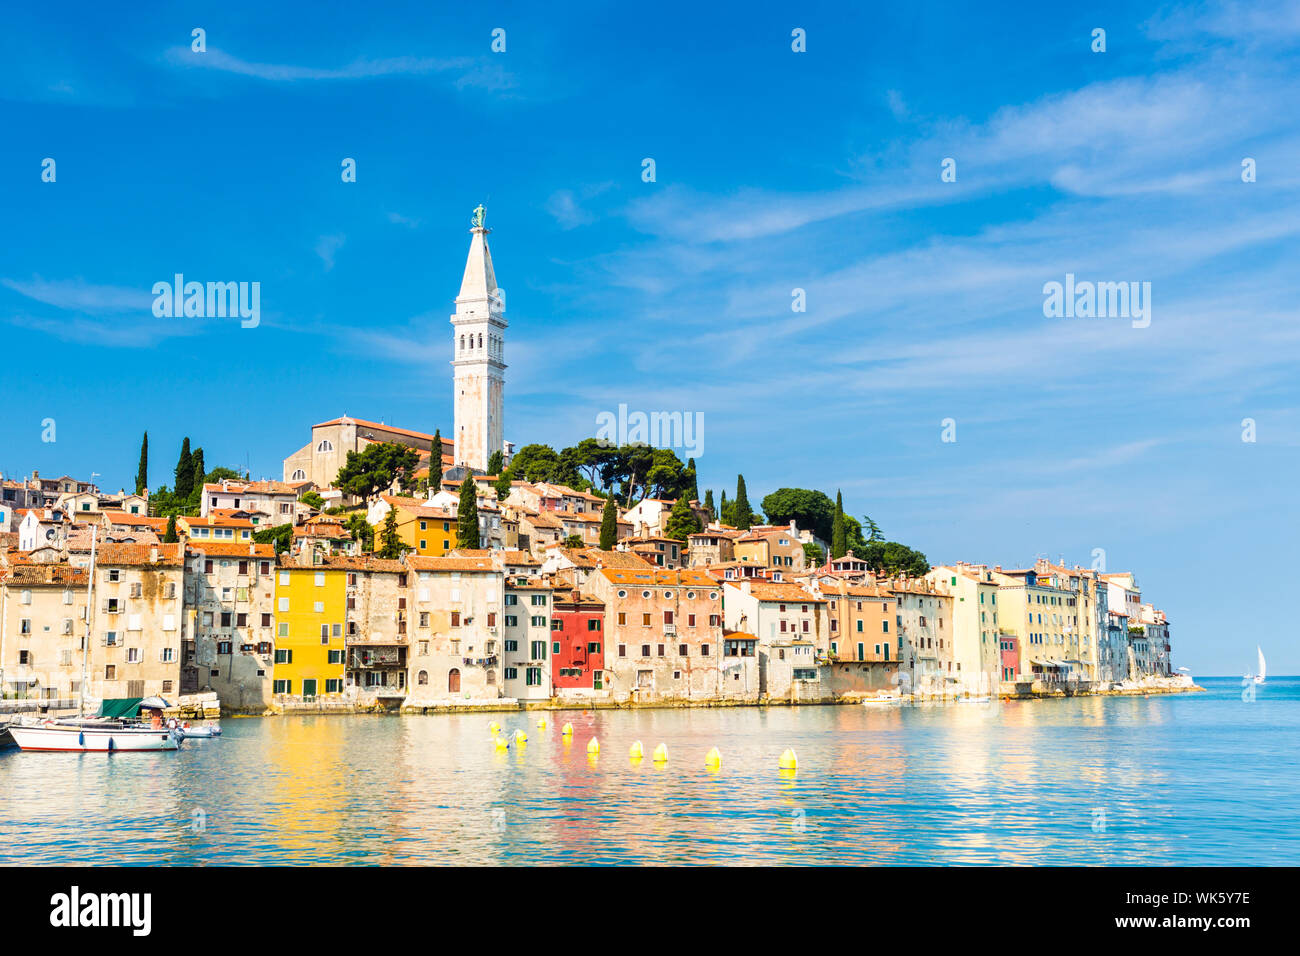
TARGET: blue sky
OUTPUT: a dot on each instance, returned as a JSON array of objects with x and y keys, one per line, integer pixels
[{"x": 775, "y": 170}]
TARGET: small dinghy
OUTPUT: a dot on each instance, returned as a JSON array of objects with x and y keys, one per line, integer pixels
[{"x": 186, "y": 732}]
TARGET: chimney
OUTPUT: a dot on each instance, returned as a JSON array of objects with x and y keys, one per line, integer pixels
[
  {"x": 575, "y": 595},
  {"x": 153, "y": 554}
]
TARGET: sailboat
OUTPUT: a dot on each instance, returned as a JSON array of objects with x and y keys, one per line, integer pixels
[
  {"x": 1259, "y": 676},
  {"x": 112, "y": 729}
]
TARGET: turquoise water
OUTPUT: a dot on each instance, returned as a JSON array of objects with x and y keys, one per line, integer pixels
[{"x": 1185, "y": 779}]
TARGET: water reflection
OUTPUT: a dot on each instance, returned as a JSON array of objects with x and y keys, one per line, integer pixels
[{"x": 1208, "y": 779}]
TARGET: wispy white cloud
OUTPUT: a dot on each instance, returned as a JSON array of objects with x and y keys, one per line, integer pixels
[
  {"x": 80, "y": 295},
  {"x": 327, "y": 247}
]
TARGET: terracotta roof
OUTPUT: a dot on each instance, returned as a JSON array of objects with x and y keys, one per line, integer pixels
[
  {"x": 658, "y": 577},
  {"x": 35, "y": 575},
  {"x": 519, "y": 557},
  {"x": 388, "y": 428},
  {"x": 140, "y": 555},
  {"x": 123, "y": 517},
  {"x": 230, "y": 549},
  {"x": 738, "y": 636},
  {"x": 781, "y": 591},
  {"x": 252, "y": 487},
  {"x": 428, "y": 563}
]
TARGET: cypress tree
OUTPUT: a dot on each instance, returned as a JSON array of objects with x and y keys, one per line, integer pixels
[
  {"x": 390, "y": 539},
  {"x": 695, "y": 484},
  {"x": 184, "y": 483},
  {"x": 171, "y": 537},
  {"x": 142, "y": 470},
  {"x": 467, "y": 515},
  {"x": 724, "y": 512},
  {"x": 708, "y": 503},
  {"x": 609, "y": 526},
  {"x": 197, "y": 472},
  {"x": 744, "y": 517},
  {"x": 839, "y": 541},
  {"x": 496, "y": 463},
  {"x": 435, "y": 462}
]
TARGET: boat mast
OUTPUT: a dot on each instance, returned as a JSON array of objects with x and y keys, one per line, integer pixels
[{"x": 85, "y": 641}]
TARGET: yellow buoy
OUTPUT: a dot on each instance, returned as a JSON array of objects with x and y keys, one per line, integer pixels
[
  {"x": 521, "y": 737},
  {"x": 788, "y": 760},
  {"x": 661, "y": 754},
  {"x": 541, "y": 723},
  {"x": 567, "y": 730},
  {"x": 502, "y": 743},
  {"x": 713, "y": 760},
  {"x": 493, "y": 727},
  {"x": 593, "y": 746},
  {"x": 636, "y": 752}
]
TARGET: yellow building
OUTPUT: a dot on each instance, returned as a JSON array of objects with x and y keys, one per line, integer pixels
[
  {"x": 311, "y": 616},
  {"x": 423, "y": 529}
]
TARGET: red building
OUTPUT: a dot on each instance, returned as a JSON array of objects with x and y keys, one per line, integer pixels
[
  {"x": 577, "y": 642},
  {"x": 1010, "y": 647}
]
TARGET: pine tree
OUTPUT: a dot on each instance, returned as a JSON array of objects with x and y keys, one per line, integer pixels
[
  {"x": 839, "y": 534},
  {"x": 744, "y": 517},
  {"x": 467, "y": 515},
  {"x": 609, "y": 525},
  {"x": 435, "y": 462},
  {"x": 390, "y": 539},
  {"x": 184, "y": 483},
  {"x": 708, "y": 503},
  {"x": 171, "y": 537},
  {"x": 682, "y": 521},
  {"x": 142, "y": 470}
]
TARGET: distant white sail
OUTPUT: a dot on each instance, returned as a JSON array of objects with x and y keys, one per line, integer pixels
[{"x": 1259, "y": 678}]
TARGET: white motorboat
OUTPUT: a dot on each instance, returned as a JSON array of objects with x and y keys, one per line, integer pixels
[
  {"x": 881, "y": 700},
  {"x": 92, "y": 736},
  {"x": 973, "y": 700},
  {"x": 186, "y": 732}
]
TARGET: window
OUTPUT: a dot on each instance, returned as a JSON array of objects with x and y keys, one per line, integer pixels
[
  {"x": 661, "y": 650},
  {"x": 534, "y": 677},
  {"x": 593, "y": 648},
  {"x": 555, "y": 647},
  {"x": 324, "y": 445},
  {"x": 593, "y": 624},
  {"x": 538, "y": 649},
  {"x": 645, "y": 650},
  {"x": 704, "y": 650},
  {"x": 622, "y": 650},
  {"x": 622, "y": 617},
  {"x": 683, "y": 650},
  {"x": 645, "y": 620},
  {"x": 283, "y": 656},
  {"x": 110, "y": 672},
  {"x": 282, "y": 687},
  {"x": 336, "y": 657}
]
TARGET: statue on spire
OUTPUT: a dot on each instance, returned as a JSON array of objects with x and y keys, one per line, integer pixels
[{"x": 480, "y": 215}]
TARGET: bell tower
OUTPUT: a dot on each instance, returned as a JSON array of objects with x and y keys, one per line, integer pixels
[{"x": 478, "y": 344}]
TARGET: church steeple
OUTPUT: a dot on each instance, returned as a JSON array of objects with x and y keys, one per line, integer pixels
[{"x": 478, "y": 338}]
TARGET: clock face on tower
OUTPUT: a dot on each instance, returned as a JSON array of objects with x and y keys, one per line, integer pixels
[{"x": 49, "y": 534}]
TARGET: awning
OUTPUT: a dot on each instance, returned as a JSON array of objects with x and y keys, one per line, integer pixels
[{"x": 120, "y": 707}]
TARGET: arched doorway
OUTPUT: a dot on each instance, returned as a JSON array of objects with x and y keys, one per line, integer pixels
[{"x": 453, "y": 681}]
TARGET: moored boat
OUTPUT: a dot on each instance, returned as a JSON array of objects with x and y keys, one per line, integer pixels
[
  {"x": 185, "y": 731},
  {"x": 92, "y": 737}
]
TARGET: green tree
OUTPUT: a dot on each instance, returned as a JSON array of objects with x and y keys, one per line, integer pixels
[
  {"x": 708, "y": 503},
  {"x": 502, "y": 485},
  {"x": 873, "y": 529},
  {"x": 725, "y": 511},
  {"x": 467, "y": 515},
  {"x": 809, "y": 509},
  {"x": 609, "y": 526},
  {"x": 813, "y": 554},
  {"x": 496, "y": 463},
  {"x": 682, "y": 521},
  {"x": 435, "y": 461},
  {"x": 574, "y": 541},
  {"x": 361, "y": 530},
  {"x": 695, "y": 483},
  {"x": 142, "y": 470},
  {"x": 197, "y": 476},
  {"x": 171, "y": 537},
  {"x": 313, "y": 500},
  {"x": 222, "y": 473},
  {"x": 367, "y": 473},
  {"x": 281, "y": 536},
  {"x": 744, "y": 517},
  {"x": 839, "y": 539},
  {"x": 390, "y": 539},
  {"x": 891, "y": 558},
  {"x": 184, "y": 473}
]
